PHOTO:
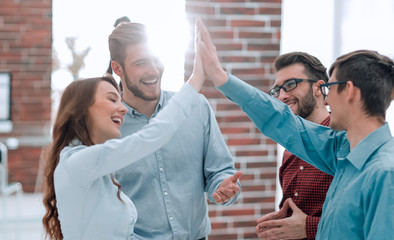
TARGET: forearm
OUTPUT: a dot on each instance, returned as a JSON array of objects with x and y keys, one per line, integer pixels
[{"x": 313, "y": 143}]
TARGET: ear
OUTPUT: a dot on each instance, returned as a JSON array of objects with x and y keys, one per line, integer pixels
[
  {"x": 352, "y": 92},
  {"x": 117, "y": 68},
  {"x": 316, "y": 88}
]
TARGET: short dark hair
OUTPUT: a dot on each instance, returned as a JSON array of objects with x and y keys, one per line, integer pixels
[
  {"x": 372, "y": 73},
  {"x": 314, "y": 69},
  {"x": 121, "y": 20}
]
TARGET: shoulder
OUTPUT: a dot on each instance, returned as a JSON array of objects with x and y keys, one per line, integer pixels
[{"x": 70, "y": 150}]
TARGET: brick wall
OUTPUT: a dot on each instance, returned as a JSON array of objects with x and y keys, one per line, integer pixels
[
  {"x": 26, "y": 51},
  {"x": 247, "y": 37}
]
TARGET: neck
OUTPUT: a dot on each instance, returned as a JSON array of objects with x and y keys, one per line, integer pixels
[
  {"x": 361, "y": 127},
  {"x": 142, "y": 106},
  {"x": 318, "y": 115}
]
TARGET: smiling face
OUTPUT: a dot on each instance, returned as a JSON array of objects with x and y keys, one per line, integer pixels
[
  {"x": 142, "y": 73},
  {"x": 105, "y": 116},
  {"x": 301, "y": 100}
]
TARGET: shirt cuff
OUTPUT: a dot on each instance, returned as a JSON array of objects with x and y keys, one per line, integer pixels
[{"x": 311, "y": 224}]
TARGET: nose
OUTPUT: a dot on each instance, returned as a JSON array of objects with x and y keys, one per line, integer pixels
[
  {"x": 154, "y": 69},
  {"x": 122, "y": 109},
  {"x": 282, "y": 95}
]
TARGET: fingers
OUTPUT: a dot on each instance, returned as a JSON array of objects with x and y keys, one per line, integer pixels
[
  {"x": 223, "y": 195},
  {"x": 236, "y": 176},
  {"x": 267, "y": 217},
  {"x": 271, "y": 230},
  {"x": 205, "y": 37},
  {"x": 272, "y": 234}
]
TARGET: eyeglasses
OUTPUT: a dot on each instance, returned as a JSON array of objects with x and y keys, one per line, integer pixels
[
  {"x": 288, "y": 86},
  {"x": 325, "y": 87}
]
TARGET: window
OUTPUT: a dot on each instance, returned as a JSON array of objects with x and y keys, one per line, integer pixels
[{"x": 5, "y": 102}]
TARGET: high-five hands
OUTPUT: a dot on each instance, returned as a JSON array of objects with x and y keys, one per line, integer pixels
[
  {"x": 277, "y": 225},
  {"x": 228, "y": 189},
  {"x": 210, "y": 60}
]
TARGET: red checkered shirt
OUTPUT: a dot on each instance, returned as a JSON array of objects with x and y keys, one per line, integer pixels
[{"x": 306, "y": 185}]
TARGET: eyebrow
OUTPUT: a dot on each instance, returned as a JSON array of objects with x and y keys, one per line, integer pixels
[{"x": 285, "y": 81}]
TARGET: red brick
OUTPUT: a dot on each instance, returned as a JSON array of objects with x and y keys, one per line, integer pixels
[
  {"x": 233, "y": 130},
  {"x": 258, "y": 35},
  {"x": 237, "y": 11},
  {"x": 238, "y": 212},
  {"x": 219, "y": 225},
  {"x": 259, "y": 199},
  {"x": 270, "y": 11},
  {"x": 263, "y": 47},
  {"x": 222, "y": 35},
  {"x": 233, "y": 119},
  {"x": 247, "y": 23},
  {"x": 249, "y": 71},
  {"x": 261, "y": 164},
  {"x": 243, "y": 141},
  {"x": 238, "y": 59},
  {"x": 228, "y": 47},
  {"x": 251, "y": 153}
]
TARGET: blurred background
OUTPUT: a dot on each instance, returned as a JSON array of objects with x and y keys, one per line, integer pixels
[{"x": 45, "y": 45}]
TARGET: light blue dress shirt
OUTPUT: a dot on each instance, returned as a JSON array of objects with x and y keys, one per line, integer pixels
[
  {"x": 360, "y": 201},
  {"x": 168, "y": 186},
  {"x": 86, "y": 197}
]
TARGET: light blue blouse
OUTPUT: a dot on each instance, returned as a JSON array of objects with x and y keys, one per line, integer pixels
[
  {"x": 360, "y": 201},
  {"x": 86, "y": 197},
  {"x": 171, "y": 185}
]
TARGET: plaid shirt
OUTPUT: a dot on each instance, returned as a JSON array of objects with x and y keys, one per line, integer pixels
[{"x": 306, "y": 185}]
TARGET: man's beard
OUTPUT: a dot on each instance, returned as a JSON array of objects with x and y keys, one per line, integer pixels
[
  {"x": 138, "y": 92},
  {"x": 306, "y": 105}
]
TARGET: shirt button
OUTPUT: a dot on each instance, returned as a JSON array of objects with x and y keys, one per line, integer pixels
[
  {"x": 161, "y": 169},
  {"x": 171, "y": 218},
  {"x": 296, "y": 194},
  {"x": 166, "y": 193},
  {"x": 302, "y": 168}
]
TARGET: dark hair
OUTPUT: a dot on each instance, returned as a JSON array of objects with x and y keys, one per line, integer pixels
[
  {"x": 117, "y": 22},
  {"x": 70, "y": 124},
  {"x": 123, "y": 36},
  {"x": 121, "y": 20},
  {"x": 314, "y": 69},
  {"x": 372, "y": 73}
]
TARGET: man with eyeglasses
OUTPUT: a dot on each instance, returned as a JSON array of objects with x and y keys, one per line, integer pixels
[
  {"x": 298, "y": 77},
  {"x": 357, "y": 148}
]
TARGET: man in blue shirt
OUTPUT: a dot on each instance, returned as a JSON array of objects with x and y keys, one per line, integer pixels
[
  {"x": 357, "y": 149},
  {"x": 168, "y": 187}
]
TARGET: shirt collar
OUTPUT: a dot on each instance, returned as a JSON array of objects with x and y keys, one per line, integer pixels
[
  {"x": 362, "y": 151},
  {"x": 132, "y": 112}
]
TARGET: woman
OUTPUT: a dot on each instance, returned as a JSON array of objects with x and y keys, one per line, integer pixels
[{"x": 82, "y": 199}]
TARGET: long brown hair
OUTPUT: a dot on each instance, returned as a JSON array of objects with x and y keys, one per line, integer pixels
[{"x": 70, "y": 124}]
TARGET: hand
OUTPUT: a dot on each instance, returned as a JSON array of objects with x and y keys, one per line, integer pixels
[
  {"x": 277, "y": 226},
  {"x": 197, "y": 78},
  {"x": 210, "y": 59},
  {"x": 228, "y": 189}
]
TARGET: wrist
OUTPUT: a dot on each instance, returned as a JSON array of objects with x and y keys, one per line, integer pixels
[{"x": 220, "y": 78}]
